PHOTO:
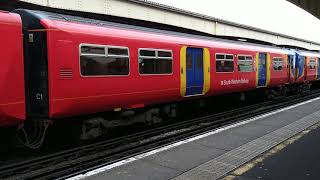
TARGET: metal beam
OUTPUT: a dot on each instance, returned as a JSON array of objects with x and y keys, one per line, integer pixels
[{"x": 311, "y": 6}]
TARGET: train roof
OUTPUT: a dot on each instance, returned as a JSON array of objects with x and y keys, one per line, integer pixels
[
  {"x": 308, "y": 53},
  {"x": 87, "y": 21}
]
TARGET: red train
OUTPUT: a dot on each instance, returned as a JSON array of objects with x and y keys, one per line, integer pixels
[{"x": 57, "y": 66}]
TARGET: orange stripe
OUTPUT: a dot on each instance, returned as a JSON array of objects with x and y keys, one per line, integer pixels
[
  {"x": 89, "y": 97},
  {"x": 12, "y": 103},
  {"x": 9, "y": 23},
  {"x": 42, "y": 30}
]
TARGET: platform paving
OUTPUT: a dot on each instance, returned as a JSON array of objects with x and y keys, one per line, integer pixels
[
  {"x": 216, "y": 155},
  {"x": 295, "y": 159},
  {"x": 220, "y": 166}
]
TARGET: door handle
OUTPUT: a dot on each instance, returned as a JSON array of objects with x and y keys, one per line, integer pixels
[
  {"x": 181, "y": 70},
  {"x": 208, "y": 69}
]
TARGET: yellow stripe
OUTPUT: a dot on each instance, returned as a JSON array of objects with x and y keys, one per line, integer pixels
[
  {"x": 268, "y": 69},
  {"x": 183, "y": 69},
  {"x": 206, "y": 70},
  {"x": 257, "y": 69}
]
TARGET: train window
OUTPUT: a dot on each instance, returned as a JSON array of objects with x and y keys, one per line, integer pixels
[
  {"x": 312, "y": 63},
  {"x": 220, "y": 56},
  {"x": 277, "y": 64},
  {"x": 117, "y": 51},
  {"x": 241, "y": 57},
  {"x": 93, "y": 50},
  {"x": 245, "y": 63},
  {"x": 229, "y": 57},
  {"x": 155, "y": 61},
  {"x": 249, "y": 58},
  {"x": 98, "y": 60},
  {"x": 164, "y": 54},
  {"x": 224, "y": 63},
  {"x": 150, "y": 53}
]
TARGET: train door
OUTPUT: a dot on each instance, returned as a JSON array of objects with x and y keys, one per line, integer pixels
[
  {"x": 195, "y": 71},
  {"x": 291, "y": 69},
  {"x": 262, "y": 70},
  {"x": 195, "y": 78},
  {"x": 300, "y": 67}
]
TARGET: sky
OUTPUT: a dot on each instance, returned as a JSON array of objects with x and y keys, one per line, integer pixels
[{"x": 274, "y": 15}]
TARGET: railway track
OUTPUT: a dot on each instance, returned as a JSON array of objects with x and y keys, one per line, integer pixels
[{"x": 85, "y": 158}]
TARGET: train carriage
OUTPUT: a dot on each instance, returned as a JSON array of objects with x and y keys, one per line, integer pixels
[
  {"x": 95, "y": 66},
  {"x": 71, "y": 66}
]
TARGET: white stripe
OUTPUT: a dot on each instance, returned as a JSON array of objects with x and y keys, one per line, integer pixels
[{"x": 140, "y": 156}]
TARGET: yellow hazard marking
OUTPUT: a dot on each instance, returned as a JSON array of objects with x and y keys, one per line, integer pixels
[
  {"x": 257, "y": 69},
  {"x": 183, "y": 69},
  {"x": 206, "y": 70},
  {"x": 246, "y": 167},
  {"x": 268, "y": 69},
  {"x": 230, "y": 177}
]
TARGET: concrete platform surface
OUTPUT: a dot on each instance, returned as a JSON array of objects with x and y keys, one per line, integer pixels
[
  {"x": 214, "y": 154},
  {"x": 296, "y": 159}
]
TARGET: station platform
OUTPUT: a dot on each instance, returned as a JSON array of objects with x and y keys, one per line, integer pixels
[
  {"x": 236, "y": 151},
  {"x": 295, "y": 159}
]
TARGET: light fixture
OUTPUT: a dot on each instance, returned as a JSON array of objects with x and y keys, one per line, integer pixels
[{"x": 243, "y": 40}]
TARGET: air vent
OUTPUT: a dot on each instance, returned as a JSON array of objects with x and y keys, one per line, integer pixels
[{"x": 65, "y": 73}]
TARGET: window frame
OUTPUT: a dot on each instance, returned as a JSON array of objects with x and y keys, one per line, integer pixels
[
  {"x": 282, "y": 65},
  {"x": 157, "y": 57},
  {"x": 105, "y": 55},
  {"x": 244, "y": 55},
  {"x": 225, "y": 54}
]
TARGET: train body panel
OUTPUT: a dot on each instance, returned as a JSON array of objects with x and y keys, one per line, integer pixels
[
  {"x": 311, "y": 69},
  {"x": 233, "y": 78},
  {"x": 12, "y": 101},
  {"x": 279, "y": 70},
  {"x": 79, "y": 94}
]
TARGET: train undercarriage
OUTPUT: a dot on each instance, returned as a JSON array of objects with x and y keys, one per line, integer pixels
[{"x": 32, "y": 134}]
